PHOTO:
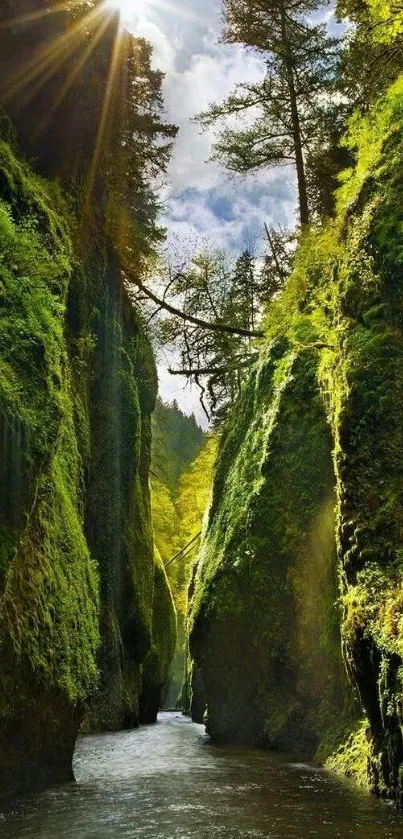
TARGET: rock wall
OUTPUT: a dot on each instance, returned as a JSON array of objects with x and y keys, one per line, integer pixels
[
  {"x": 313, "y": 459},
  {"x": 79, "y": 604},
  {"x": 265, "y": 635}
]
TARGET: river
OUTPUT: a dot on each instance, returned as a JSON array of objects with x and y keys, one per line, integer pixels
[{"x": 168, "y": 782}]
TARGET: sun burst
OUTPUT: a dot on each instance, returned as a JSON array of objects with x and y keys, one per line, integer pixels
[{"x": 129, "y": 10}]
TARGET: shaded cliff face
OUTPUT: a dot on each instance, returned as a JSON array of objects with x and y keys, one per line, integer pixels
[
  {"x": 134, "y": 588},
  {"x": 265, "y": 634},
  {"x": 117, "y": 508},
  {"x": 80, "y": 591},
  {"x": 48, "y": 581},
  {"x": 328, "y": 387}
]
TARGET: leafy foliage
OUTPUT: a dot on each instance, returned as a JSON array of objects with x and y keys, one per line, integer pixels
[{"x": 221, "y": 291}]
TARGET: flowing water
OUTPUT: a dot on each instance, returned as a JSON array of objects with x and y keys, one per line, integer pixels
[{"x": 167, "y": 782}]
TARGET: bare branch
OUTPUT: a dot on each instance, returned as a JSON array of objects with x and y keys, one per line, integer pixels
[
  {"x": 211, "y": 371},
  {"x": 214, "y": 327}
]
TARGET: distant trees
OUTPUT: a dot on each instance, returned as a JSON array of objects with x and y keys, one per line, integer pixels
[
  {"x": 178, "y": 508},
  {"x": 177, "y": 440},
  {"x": 281, "y": 112},
  {"x": 181, "y": 467}
]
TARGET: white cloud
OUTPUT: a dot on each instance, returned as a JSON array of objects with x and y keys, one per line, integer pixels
[
  {"x": 187, "y": 397},
  {"x": 208, "y": 78},
  {"x": 165, "y": 50},
  {"x": 202, "y": 201}
]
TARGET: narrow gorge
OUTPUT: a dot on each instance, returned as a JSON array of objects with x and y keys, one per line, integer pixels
[{"x": 242, "y": 570}]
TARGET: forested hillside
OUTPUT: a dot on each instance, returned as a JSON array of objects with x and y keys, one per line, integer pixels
[
  {"x": 177, "y": 440},
  {"x": 181, "y": 470}
]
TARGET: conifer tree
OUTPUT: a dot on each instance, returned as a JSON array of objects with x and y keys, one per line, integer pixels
[
  {"x": 299, "y": 63},
  {"x": 244, "y": 292}
]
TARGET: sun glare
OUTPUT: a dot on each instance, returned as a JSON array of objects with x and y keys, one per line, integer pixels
[{"x": 129, "y": 9}]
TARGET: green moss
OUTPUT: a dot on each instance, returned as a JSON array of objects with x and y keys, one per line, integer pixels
[
  {"x": 49, "y": 608},
  {"x": 352, "y": 757},
  {"x": 263, "y": 617},
  {"x": 50, "y": 603},
  {"x": 344, "y": 304},
  {"x": 118, "y": 514}
]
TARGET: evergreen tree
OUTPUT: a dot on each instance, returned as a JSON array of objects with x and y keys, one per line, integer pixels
[
  {"x": 277, "y": 263},
  {"x": 326, "y": 159},
  {"x": 243, "y": 297},
  {"x": 176, "y": 442},
  {"x": 299, "y": 67}
]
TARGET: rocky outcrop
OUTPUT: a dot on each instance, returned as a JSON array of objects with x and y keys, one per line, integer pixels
[
  {"x": 265, "y": 631},
  {"x": 284, "y": 582}
]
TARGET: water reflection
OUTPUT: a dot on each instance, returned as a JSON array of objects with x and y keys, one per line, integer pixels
[{"x": 168, "y": 782}]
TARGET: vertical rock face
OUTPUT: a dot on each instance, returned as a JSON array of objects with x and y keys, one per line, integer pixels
[
  {"x": 80, "y": 592},
  {"x": 328, "y": 388},
  {"x": 122, "y": 394},
  {"x": 48, "y": 581},
  {"x": 265, "y": 636},
  {"x": 136, "y": 643},
  {"x": 368, "y": 428},
  {"x": 157, "y": 662}
]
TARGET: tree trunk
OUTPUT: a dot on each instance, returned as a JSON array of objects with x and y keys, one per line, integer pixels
[{"x": 296, "y": 130}]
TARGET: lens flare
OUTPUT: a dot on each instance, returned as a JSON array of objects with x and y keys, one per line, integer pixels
[{"x": 128, "y": 9}]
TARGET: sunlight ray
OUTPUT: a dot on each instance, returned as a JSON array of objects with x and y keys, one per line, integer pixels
[
  {"x": 73, "y": 75},
  {"x": 29, "y": 88},
  {"x": 51, "y": 56},
  {"x": 31, "y": 17},
  {"x": 105, "y": 110}
]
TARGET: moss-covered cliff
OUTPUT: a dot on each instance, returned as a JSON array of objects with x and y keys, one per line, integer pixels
[
  {"x": 80, "y": 591},
  {"x": 265, "y": 636},
  {"x": 321, "y": 415}
]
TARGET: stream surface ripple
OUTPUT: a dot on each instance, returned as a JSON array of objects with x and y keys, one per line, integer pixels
[{"x": 168, "y": 782}]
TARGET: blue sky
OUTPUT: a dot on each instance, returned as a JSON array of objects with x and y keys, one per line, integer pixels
[{"x": 202, "y": 201}]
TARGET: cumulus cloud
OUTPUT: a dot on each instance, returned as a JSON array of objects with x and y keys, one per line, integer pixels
[
  {"x": 208, "y": 78},
  {"x": 199, "y": 70},
  {"x": 202, "y": 201},
  {"x": 232, "y": 217}
]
